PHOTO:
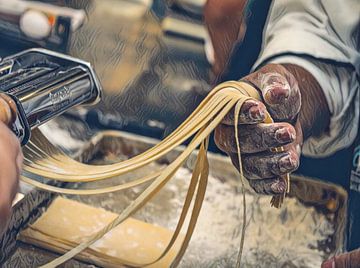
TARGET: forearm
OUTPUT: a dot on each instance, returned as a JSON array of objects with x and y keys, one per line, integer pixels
[
  {"x": 314, "y": 116},
  {"x": 223, "y": 19}
]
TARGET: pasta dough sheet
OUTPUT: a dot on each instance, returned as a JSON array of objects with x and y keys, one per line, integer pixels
[{"x": 68, "y": 223}]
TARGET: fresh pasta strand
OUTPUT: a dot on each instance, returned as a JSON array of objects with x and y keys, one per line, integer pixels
[{"x": 44, "y": 160}]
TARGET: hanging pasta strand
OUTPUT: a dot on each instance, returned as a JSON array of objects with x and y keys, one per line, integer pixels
[{"x": 43, "y": 160}]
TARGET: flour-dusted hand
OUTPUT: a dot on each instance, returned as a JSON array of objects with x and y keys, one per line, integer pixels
[
  {"x": 298, "y": 106},
  {"x": 282, "y": 99}
]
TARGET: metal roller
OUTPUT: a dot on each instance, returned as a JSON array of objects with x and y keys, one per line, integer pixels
[{"x": 44, "y": 84}]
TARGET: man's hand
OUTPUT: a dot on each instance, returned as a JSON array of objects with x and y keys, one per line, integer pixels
[
  {"x": 282, "y": 99},
  {"x": 10, "y": 164},
  {"x": 284, "y": 89}
]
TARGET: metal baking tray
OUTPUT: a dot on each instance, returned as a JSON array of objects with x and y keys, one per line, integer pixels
[{"x": 304, "y": 232}]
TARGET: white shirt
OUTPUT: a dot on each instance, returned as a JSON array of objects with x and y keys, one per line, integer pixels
[{"x": 323, "y": 37}]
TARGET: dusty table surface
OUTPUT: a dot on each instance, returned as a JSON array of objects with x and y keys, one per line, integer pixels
[{"x": 301, "y": 234}]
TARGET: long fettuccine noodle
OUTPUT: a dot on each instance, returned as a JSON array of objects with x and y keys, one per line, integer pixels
[{"x": 44, "y": 160}]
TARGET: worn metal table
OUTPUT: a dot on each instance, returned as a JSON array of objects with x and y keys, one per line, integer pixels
[{"x": 303, "y": 233}]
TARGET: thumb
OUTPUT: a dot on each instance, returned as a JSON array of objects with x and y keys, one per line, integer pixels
[{"x": 279, "y": 89}]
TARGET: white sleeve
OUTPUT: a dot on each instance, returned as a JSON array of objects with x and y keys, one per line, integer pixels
[
  {"x": 323, "y": 38},
  {"x": 341, "y": 89}
]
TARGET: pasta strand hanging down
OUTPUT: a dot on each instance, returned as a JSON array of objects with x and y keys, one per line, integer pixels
[{"x": 44, "y": 160}]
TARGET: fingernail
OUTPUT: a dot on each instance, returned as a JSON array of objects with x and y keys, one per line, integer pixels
[
  {"x": 284, "y": 135},
  {"x": 328, "y": 264},
  {"x": 279, "y": 187},
  {"x": 276, "y": 94},
  {"x": 286, "y": 163},
  {"x": 256, "y": 113}
]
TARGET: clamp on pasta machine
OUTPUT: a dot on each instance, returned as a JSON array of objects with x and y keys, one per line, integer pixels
[{"x": 40, "y": 84}]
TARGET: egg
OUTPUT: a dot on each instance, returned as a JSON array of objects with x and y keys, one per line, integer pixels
[{"x": 35, "y": 24}]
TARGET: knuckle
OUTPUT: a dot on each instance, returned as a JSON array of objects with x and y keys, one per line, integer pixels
[
  {"x": 287, "y": 162},
  {"x": 282, "y": 133},
  {"x": 271, "y": 81},
  {"x": 280, "y": 90},
  {"x": 276, "y": 74},
  {"x": 224, "y": 137},
  {"x": 252, "y": 138},
  {"x": 256, "y": 167},
  {"x": 277, "y": 186}
]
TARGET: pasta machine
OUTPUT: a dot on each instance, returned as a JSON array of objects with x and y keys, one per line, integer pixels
[{"x": 44, "y": 84}]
